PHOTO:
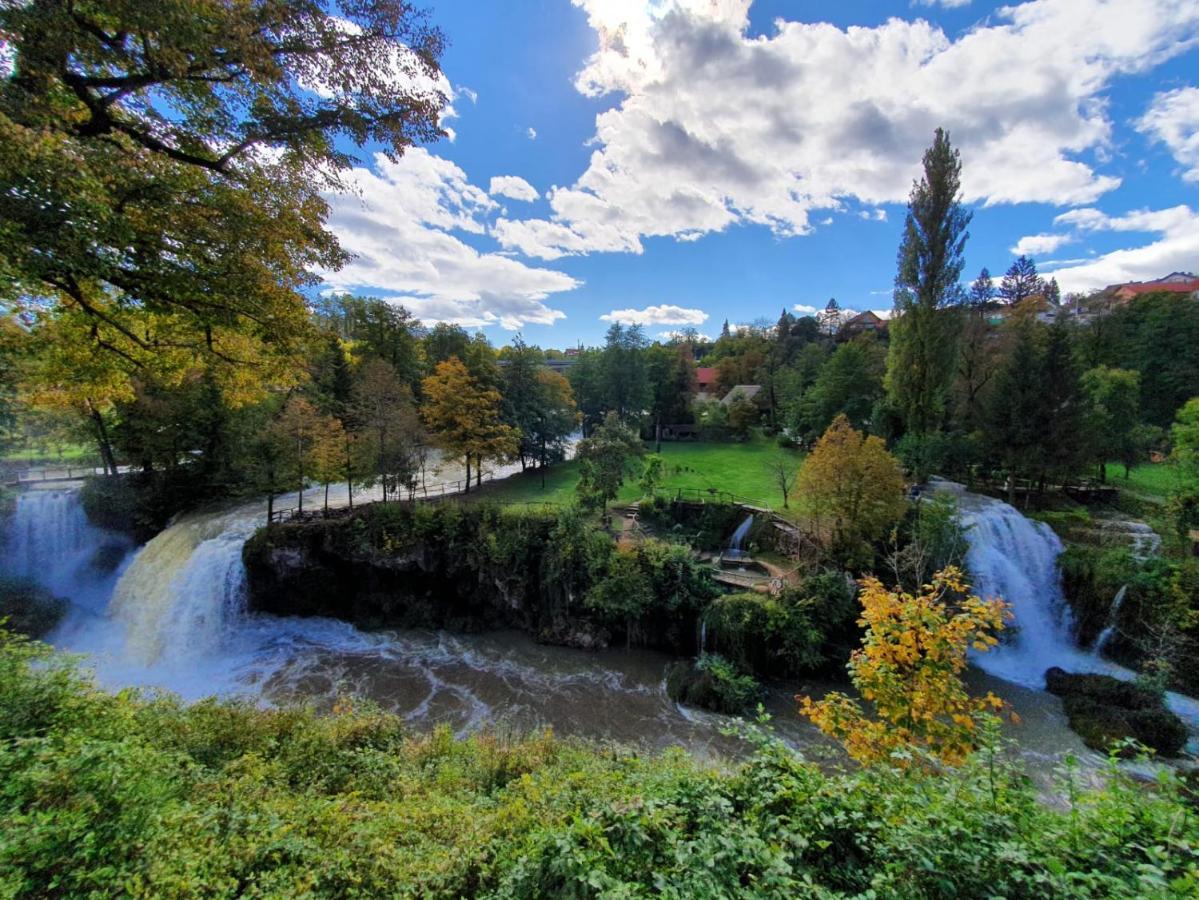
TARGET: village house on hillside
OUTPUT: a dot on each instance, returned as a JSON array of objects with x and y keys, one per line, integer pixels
[
  {"x": 1174, "y": 283},
  {"x": 861, "y": 323},
  {"x": 705, "y": 382}
]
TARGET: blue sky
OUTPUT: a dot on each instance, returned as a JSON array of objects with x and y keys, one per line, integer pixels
[{"x": 680, "y": 162}]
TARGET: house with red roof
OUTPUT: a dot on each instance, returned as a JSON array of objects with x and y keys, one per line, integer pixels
[
  {"x": 1174, "y": 283},
  {"x": 705, "y": 382}
]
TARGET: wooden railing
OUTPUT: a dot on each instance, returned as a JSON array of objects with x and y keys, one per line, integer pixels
[{"x": 58, "y": 474}]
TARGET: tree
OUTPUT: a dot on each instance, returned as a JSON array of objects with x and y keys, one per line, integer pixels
[
  {"x": 924, "y": 332},
  {"x": 523, "y": 394},
  {"x": 164, "y": 165},
  {"x": 909, "y": 668},
  {"x": 328, "y": 454},
  {"x": 382, "y": 419},
  {"x": 831, "y": 318},
  {"x": 605, "y": 460},
  {"x": 852, "y": 489},
  {"x": 982, "y": 291},
  {"x": 671, "y": 372},
  {"x": 464, "y": 416},
  {"x": 1020, "y": 281},
  {"x": 977, "y": 359},
  {"x": 1112, "y": 400},
  {"x": 623, "y": 372},
  {"x": 300, "y": 428},
  {"x": 782, "y": 468},
  {"x": 556, "y": 420},
  {"x": 1015, "y": 423},
  {"x": 850, "y": 382},
  {"x": 651, "y": 475},
  {"x": 1185, "y": 436}
]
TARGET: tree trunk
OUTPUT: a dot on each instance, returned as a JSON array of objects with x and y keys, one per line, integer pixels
[
  {"x": 479, "y": 471},
  {"x": 107, "y": 457},
  {"x": 270, "y": 506},
  {"x": 467, "y": 491},
  {"x": 326, "y": 496},
  {"x": 1103, "y": 473}
]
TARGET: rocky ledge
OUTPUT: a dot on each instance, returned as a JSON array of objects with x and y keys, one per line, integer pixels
[{"x": 1104, "y": 710}]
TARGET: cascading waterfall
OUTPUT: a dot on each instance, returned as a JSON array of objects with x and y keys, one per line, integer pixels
[
  {"x": 1113, "y": 621},
  {"x": 49, "y": 540},
  {"x": 1015, "y": 558}
]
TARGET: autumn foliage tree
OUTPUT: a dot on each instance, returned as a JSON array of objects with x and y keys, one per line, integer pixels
[
  {"x": 464, "y": 416},
  {"x": 851, "y": 489},
  {"x": 909, "y": 670}
]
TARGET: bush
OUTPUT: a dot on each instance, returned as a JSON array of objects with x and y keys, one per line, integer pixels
[
  {"x": 1105, "y": 711},
  {"x": 712, "y": 682},
  {"x": 115, "y": 795}
]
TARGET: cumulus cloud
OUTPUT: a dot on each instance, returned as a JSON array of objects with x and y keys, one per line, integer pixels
[
  {"x": 531, "y": 133},
  {"x": 666, "y": 314},
  {"x": 1036, "y": 244},
  {"x": 837, "y": 114},
  {"x": 1175, "y": 248},
  {"x": 400, "y": 224},
  {"x": 948, "y": 4},
  {"x": 512, "y": 186},
  {"x": 1173, "y": 119}
]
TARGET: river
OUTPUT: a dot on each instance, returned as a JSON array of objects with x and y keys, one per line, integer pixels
[{"x": 172, "y": 615}]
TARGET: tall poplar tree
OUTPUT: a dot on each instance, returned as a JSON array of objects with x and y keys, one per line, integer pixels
[{"x": 924, "y": 329}]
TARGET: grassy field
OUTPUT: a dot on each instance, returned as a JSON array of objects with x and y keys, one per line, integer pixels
[
  {"x": 741, "y": 469},
  {"x": 1148, "y": 479}
]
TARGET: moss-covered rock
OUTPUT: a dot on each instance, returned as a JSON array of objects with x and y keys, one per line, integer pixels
[
  {"x": 1104, "y": 710},
  {"x": 29, "y": 609},
  {"x": 712, "y": 682}
]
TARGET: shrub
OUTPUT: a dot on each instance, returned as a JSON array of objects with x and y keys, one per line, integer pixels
[
  {"x": 115, "y": 795},
  {"x": 712, "y": 682}
]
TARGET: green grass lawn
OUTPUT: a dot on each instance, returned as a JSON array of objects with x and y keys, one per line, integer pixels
[
  {"x": 50, "y": 454},
  {"x": 1149, "y": 479},
  {"x": 740, "y": 469}
]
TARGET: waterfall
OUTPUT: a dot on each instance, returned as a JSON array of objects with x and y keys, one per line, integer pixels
[
  {"x": 1113, "y": 620},
  {"x": 734, "y": 550},
  {"x": 1015, "y": 558},
  {"x": 183, "y": 594},
  {"x": 49, "y": 540}
]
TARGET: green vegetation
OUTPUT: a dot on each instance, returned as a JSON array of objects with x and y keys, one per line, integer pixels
[
  {"x": 1156, "y": 480},
  {"x": 740, "y": 469},
  {"x": 1107, "y": 711},
  {"x": 107, "y": 795},
  {"x": 712, "y": 682}
]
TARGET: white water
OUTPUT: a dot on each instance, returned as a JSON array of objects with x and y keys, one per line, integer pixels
[
  {"x": 1015, "y": 558},
  {"x": 1113, "y": 622},
  {"x": 734, "y": 550},
  {"x": 172, "y": 615}
]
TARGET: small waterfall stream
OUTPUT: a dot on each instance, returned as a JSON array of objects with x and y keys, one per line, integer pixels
[{"x": 1113, "y": 622}]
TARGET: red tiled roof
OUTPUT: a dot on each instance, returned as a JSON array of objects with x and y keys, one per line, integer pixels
[
  {"x": 705, "y": 375},
  {"x": 1149, "y": 287}
]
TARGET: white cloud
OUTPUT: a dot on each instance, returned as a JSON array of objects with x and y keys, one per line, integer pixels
[
  {"x": 468, "y": 93},
  {"x": 1036, "y": 244},
  {"x": 1176, "y": 247},
  {"x": 531, "y": 134},
  {"x": 1173, "y": 119},
  {"x": 804, "y": 310},
  {"x": 878, "y": 214},
  {"x": 837, "y": 114},
  {"x": 666, "y": 314},
  {"x": 512, "y": 186},
  {"x": 399, "y": 225},
  {"x": 948, "y": 4}
]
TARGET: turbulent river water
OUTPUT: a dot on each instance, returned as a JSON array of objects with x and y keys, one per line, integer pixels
[{"x": 172, "y": 615}]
